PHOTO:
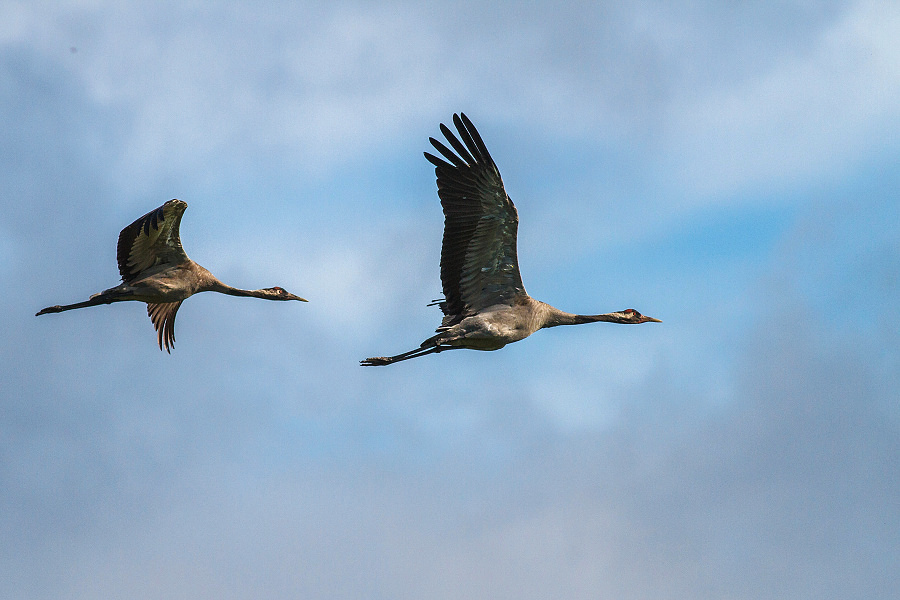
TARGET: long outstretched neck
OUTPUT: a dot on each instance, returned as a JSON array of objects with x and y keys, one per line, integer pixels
[
  {"x": 222, "y": 288},
  {"x": 563, "y": 318},
  {"x": 554, "y": 316},
  {"x": 629, "y": 316},
  {"x": 273, "y": 293}
]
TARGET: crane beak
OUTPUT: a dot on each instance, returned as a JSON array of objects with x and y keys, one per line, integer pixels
[
  {"x": 647, "y": 319},
  {"x": 293, "y": 297}
]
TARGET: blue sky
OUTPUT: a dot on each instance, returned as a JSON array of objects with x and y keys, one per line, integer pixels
[{"x": 731, "y": 170}]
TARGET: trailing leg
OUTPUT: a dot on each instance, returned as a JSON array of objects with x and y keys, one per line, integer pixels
[
  {"x": 95, "y": 300},
  {"x": 380, "y": 361}
]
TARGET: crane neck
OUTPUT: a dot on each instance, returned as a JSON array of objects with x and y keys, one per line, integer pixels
[
  {"x": 222, "y": 288},
  {"x": 557, "y": 317}
]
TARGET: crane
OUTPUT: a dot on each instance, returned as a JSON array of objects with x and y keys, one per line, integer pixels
[
  {"x": 156, "y": 270},
  {"x": 485, "y": 305}
]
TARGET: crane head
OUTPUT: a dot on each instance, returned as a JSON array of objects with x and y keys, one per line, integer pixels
[
  {"x": 279, "y": 293},
  {"x": 631, "y": 316}
]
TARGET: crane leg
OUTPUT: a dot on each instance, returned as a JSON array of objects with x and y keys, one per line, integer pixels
[
  {"x": 95, "y": 300},
  {"x": 380, "y": 361}
]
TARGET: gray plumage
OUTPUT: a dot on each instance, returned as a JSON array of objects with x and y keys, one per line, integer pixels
[
  {"x": 485, "y": 305},
  {"x": 156, "y": 270}
]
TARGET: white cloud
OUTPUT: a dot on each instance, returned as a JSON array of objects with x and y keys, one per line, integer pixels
[
  {"x": 815, "y": 114},
  {"x": 314, "y": 85}
]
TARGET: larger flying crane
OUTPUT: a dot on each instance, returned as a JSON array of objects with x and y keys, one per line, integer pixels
[{"x": 485, "y": 305}]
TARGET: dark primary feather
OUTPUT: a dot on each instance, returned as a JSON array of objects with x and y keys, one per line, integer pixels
[
  {"x": 479, "y": 266},
  {"x": 151, "y": 240}
]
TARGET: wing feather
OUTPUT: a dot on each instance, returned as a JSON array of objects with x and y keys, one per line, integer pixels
[
  {"x": 457, "y": 145},
  {"x": 163, "y": 317},
  {"x": 151, "y": 240},
  {"x": 479, "y": 265}
]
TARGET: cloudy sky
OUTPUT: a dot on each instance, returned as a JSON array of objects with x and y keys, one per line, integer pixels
[{"x": 731, "y": 170}]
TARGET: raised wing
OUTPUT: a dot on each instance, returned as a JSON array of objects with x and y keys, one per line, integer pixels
[
  {"x": 479, "y": 266},
  {"x": 163, "y": 317},
  {"x": 151, "y": 240}
]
